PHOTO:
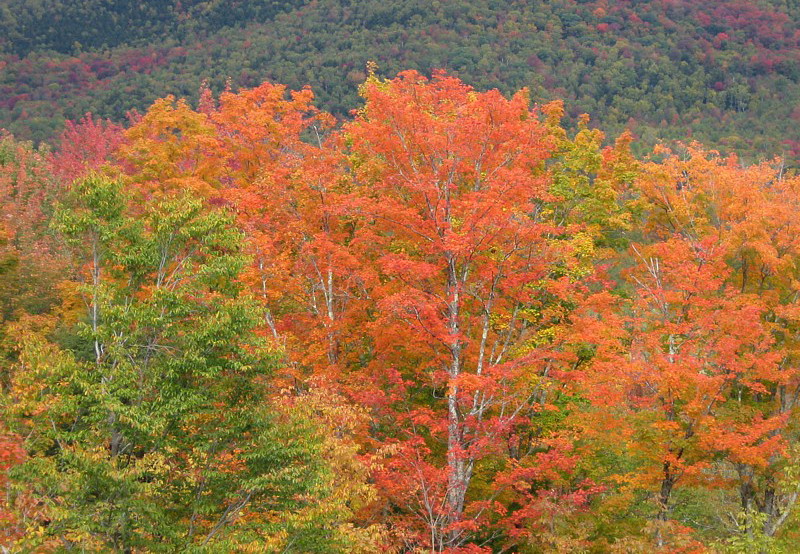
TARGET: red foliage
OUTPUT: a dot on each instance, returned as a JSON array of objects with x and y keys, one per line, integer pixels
[
  {"x": 85, "y": 146},
  {"x": 11, "y": 454}
]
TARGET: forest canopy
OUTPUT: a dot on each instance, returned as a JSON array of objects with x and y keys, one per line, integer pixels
[{"x": 451, "y": 324}]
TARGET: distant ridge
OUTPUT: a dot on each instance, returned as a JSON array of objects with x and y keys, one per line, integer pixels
[{"x": 724, "y": 73}]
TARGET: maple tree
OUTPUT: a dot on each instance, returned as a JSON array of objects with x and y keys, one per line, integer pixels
[
  {"x": 286, "y": 191},
  {"x": 246, "y": 149},
  {"x": 84, "y": 146},
  {"x": 31, "y": 261},
  {"x": 476, "y": 281},
  {"x": 751, "y": 209},
  {"x": 171, "y": 148},
  {"x": 695, "y": 369},
  {"x": 688, "y": 347}
]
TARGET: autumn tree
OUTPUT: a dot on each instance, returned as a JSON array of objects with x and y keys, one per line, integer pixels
[
  {"x": 262, "y": 151},
  {"x": 753, "y": 210},
  {"x": 31, "y": 261},
  {"x": 84, "y": 146},
  {"x": 286, "y": 182},
  {"x": 477, "y": 278},
  {"x": 695, "y": 369}
]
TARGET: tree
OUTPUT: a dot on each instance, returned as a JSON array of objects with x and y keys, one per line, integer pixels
[
  {"x": 695, "y": 369},
  {"x": 85, "y": 146},
  {"x": 249, "y": 150},
  {"x": 752, "y": 211},
  {"x": 284, "y": 190},
  {"x": 476, "y": 281},
  {"x": 31, "y": 262},
  {"x": 287, "y": 190},
  {"x": 688, "y": 346},
  {"x": 144, "y": 410}
]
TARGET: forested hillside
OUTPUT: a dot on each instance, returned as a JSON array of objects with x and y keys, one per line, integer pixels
[
  {"x": 725, "y": 73},
  {"x": 415, "y": 299}
]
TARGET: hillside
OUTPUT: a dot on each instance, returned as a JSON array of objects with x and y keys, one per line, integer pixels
[{"x": 724, "y": 73}]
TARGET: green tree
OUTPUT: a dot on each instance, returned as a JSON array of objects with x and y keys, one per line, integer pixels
[{"x": 144, "y": 405}]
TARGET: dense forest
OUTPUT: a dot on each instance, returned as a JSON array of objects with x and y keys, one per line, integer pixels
[
  {"x": 725, "y": 73},
  {"x": 412, "y": 299},
  {"x": 448, "y": 325}
]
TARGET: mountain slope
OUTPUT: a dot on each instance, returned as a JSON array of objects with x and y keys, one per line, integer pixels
[{"x": 725, "y": 73}]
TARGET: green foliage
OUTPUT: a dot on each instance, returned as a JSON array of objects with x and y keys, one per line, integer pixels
[
  {"x": 752, "y": 538},
  {"x": 149, "y": 429},
  {"x": 69, "y": 27}
]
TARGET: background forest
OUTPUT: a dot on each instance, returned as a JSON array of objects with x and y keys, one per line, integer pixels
[
  {"x": 723, "y": 72},
  {"x": 457, "y": 318}
]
